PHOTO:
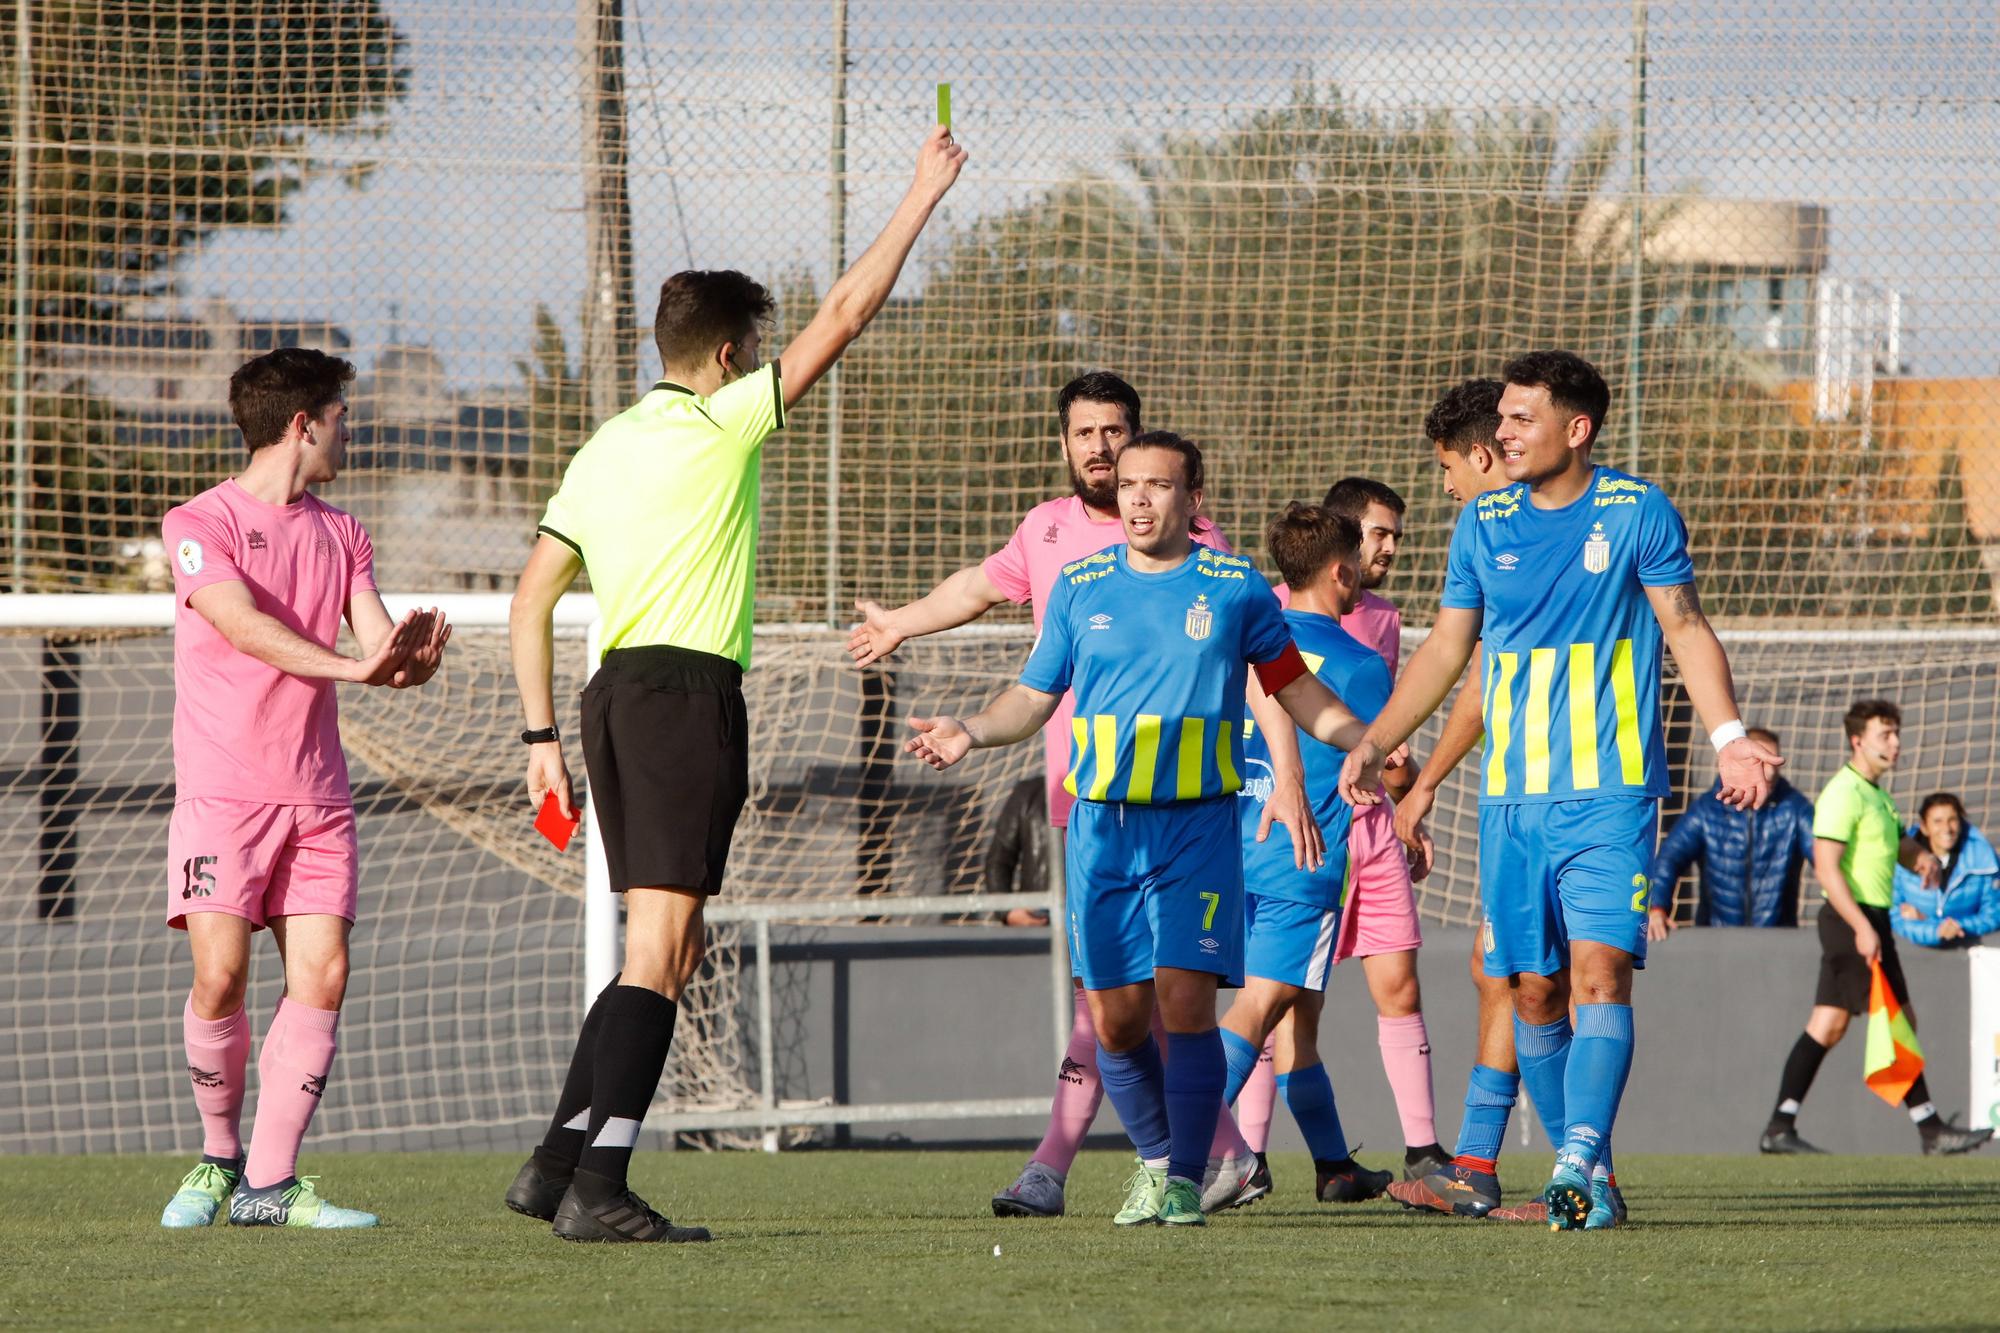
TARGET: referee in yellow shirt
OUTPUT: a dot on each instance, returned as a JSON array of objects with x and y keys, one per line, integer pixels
[
  {"x": 661, "y": 505},
  {"x": 1857, "y": 842}
]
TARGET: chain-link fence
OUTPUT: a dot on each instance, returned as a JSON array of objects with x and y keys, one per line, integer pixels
[{"x": 1291, "y": 225}]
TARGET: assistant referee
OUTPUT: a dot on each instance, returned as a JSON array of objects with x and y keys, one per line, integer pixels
[
  {"x": 661, "y": 506},
  {"x": 1857, "y": 843}
]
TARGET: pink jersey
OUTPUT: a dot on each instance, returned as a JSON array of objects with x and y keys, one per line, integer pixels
[
  {"x": 1374, "y": 620},
  {"x": 1053, "y": 534},
  {"x": 243, "y": 730}
]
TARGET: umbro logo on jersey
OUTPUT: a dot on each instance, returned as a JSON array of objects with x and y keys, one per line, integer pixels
[
  {"x": 256, "y": 540},
  {"x": 1507, "y": 560},
  {"x": 1100, "y": 621}
]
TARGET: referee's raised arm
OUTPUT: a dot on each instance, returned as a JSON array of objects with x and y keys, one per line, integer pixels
[
  {"x": 859, "y": 295},
  {"x": 661, "y": 505}
]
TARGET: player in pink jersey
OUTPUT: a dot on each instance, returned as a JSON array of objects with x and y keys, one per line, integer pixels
[
  {"x": 1096, "y": 414},
  {"x": 1379, "y": 922},
  {"x": 263, "y": 824}
]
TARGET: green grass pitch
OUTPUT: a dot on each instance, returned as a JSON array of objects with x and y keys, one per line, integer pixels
[{"x": 905, "y": 1240}]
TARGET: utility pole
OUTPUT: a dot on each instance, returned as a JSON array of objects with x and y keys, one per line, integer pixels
[
  {"x": 23, "y": 148},
  {"x": 1635, "y": 323},
  {"x": 836, "y": 259},
  {"x": 609, "y": 362}
]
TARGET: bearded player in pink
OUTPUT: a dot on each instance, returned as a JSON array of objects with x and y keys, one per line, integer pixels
[
  {"x": 1379, "y": 924},
  {"x": 1097, "y": 413},
  {"x": 263, "y": 824}
]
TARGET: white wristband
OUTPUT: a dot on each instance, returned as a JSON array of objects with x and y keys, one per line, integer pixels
[{"x": 1727, "y": 732}]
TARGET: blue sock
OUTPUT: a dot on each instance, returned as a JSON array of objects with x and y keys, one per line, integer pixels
[
  {"x": 1309, "y": 1093},
  {"x": 1195, "y": 1073},
  {"x": 1242, "y": 1058},
  {"x": 1544, "y": 1055},
  {"x": 1598, "y": 1067},
  {"x": 1489, "y": 1097},
  {"x": 1136, "y": 1085}
]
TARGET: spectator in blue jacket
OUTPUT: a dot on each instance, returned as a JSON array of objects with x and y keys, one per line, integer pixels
[
  {"x": 1968, "y": 905},
  {"x": 1750, "y": 859}
]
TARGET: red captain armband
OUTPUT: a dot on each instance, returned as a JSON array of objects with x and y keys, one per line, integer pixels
[{"x": 1281, "y": 670}]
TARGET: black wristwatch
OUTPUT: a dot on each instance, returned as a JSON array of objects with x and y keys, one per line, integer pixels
[{"x": 538, "y": 737}]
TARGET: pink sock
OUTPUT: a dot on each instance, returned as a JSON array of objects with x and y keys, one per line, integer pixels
[
  {"x": 1254, "y": 1103},
  {"x": 217, "y": 1051},
  {"x": 1079, "y": 1093},
  {"x": 1406, "y": 1058},
  {"x": 291, "y": 1075}
]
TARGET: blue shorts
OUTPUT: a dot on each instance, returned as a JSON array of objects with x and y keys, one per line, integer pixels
[
  {"x": 1558, "y": 871},
  {"x": 1154, "y": 886},
  {"x": 1290, "y": 942}
]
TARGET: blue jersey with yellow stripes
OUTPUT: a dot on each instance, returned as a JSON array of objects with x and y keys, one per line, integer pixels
[
  {"x": 1157, "y": 665},
  {"x": 1571, "y": 649},
  {"x": 1357, "y": 673}
]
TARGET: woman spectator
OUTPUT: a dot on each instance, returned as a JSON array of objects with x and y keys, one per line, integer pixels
[{"x": 1968, "y": 904}]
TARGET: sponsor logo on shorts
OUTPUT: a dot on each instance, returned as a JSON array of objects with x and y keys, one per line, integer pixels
[
  {"x": 197, "y": 880},
  {"x": 1486, "y": 934},
  {"x": 189, "y": 555},
  {"x": 1071, "y": 1072},
  {"x": 1209, "y": 944}
]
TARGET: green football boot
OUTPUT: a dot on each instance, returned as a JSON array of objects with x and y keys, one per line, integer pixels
[
  {"x": 1144, "y": 1194},
  {"x": 1180, "y": 1206},
  {"x": 293, "y": 1203},
  {"x": 202, "y": 1193}
]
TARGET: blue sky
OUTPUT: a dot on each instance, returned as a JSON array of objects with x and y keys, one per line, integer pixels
[{"x": 1879, "y": 111}]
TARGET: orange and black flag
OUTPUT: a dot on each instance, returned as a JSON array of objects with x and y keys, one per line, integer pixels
[{"x": 1894, "y": 1059}]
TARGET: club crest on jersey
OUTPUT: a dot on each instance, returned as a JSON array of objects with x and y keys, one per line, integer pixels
[
  {"x": 1200, "y": 620},
  {"x": 1597, "y": 550}
]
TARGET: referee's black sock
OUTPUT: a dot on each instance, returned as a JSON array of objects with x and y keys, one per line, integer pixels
[
  {"x": 636, "y": 1028},
  {"x": 563, "y": 1144},
  {"x": 1801, "y": 1066},
  {"x": 1922, "y": 1110}
]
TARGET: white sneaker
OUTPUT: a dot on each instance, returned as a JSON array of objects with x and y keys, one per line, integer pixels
[{"x": 1232, "y": 1182}]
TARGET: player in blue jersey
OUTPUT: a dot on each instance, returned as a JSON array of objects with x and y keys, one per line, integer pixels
[
  {"x": 1573, "y": 574},
  {"x": 1153, "y": 638},
  {"x": 1292, "y": 913}
]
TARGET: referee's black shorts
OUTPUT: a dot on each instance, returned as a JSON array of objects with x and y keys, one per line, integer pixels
[
  {"x": 666, "y": 744},
  {"x": 1843, "y": 973}
]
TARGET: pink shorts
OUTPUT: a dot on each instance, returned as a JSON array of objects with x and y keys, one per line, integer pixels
[
  {"x": 1380, "y": 914},
  {"x": 260, "y": 861}
]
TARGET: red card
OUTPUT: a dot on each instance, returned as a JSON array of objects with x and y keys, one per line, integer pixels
[{"x": 552, "y": 825}]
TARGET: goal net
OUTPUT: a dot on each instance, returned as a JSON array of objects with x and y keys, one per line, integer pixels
[
  {"x": 468, "y": 954},
  {"x": 468, "y": 971}
]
